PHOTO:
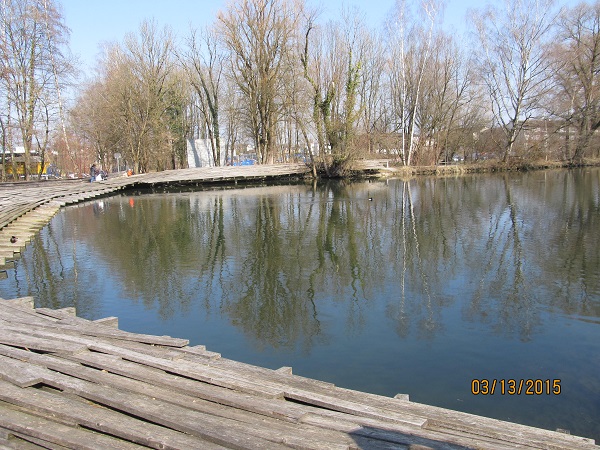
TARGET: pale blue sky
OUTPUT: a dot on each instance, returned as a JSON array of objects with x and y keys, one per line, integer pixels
[{"x": 93, "y": 22}]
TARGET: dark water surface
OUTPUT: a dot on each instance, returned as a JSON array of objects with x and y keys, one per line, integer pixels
[{"x": 429, "y": 285}]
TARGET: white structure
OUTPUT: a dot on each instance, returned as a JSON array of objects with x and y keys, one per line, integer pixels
[{"x": 199, "y": 153}]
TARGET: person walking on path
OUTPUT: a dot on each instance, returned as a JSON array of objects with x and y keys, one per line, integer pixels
[{"x": 93, "y": 172}]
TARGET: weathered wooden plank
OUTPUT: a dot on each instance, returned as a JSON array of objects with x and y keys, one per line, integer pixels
[
  {"x": 21, "y": 226},
  {"x": 21, "y": 302},
  {"x": 10, "y": 249},
  {"x": 272, "y": 376},
  {"x": 68, "y": 311},
  {"x": 15, "y": 339},
  {"x": 59, "y": 314},
  {"x": 257, "y": 404},
  {"x": 445, "y": 419},
  {"x": 22, "y": 314},
  {"x": 168, "y": 353},
  {"x": 319, "y": 394},
  {"x": 398, "y": 434},
  {"x": 279, "y": 409},
  {"x": 66, "y": 333},
  {"x": 155, "y": 377},
  {"x": 147, "y": 405},
  {"x": 102, "y": 420},
  {"x": 510, "y": 433},
  {"x": 19, "y": 373},
  {"x": 52, "y": 362},
  {"x": 198, "y": 350},
  {"x": 304, "y": 436},
  {"x": 387, "y": 401},
  {"x": 215, "y": 429},
  {"x": 194, "y": 371},
  {"x": 57, "y": 331},
  {"x": 23, "y": 238},
  {"x": 23, "y": 442},
  {"x": 15, "y": 441},
  {"x": 246, "y": 383},
  {"x": 335, "y": 403},
  {"x": 90, "y": 328},
  {"x": 112, "y": 322},
  {"x": 31, "y": 220},
  {"x": 47, "y": 430}
]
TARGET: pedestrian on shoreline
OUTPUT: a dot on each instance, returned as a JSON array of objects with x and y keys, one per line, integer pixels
[{"x": 93, "y": 172}]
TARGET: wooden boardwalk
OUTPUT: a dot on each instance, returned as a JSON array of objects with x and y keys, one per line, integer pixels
[
  {"x": 25, "y": 208},
  {"x": 66, "y": 382}
]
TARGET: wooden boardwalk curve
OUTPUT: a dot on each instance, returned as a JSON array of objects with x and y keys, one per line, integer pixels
[
  {"x": 66, "y": 382},
  {"x": 25, "y": 208}
]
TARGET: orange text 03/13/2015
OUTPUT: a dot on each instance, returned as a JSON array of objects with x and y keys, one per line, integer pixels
[{"x": 511, "y": 386}]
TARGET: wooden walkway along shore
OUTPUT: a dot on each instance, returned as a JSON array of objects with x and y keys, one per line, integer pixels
[
  {"x": 66, "y": 382},
  {"x": 25, "y": 208}
]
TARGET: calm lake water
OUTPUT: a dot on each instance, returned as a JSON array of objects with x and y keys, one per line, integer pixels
[{"x": 414, "y": 287}]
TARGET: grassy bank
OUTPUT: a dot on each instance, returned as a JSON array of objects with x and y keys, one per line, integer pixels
[{"x": 478, "y": 167}]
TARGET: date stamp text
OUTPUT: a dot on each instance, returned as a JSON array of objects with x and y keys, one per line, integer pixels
[{"x": 511, "y": 386}]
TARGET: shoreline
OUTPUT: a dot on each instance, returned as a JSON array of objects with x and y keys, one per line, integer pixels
[{"x": 388, "y": 169}]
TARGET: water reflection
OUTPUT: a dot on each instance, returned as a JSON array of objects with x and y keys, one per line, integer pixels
[
  {"x": 267, "y": 257},
  {"x": 483, "y": 275}
]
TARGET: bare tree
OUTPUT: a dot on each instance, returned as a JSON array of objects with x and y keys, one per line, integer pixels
[
  {"x": 332, "y": 59},
  {"x": 577, "y": 70},
  {"x": 321, "y": 95},
  {"x": 410, "y": 47},
  {"x": 258, "y": 34},
  {"x": 372, "y": 98},
  {"x": 149, "y": 58},
  {"x": 32, "y": 67},
  {"x": 514, "y": 65},
  {"x": 447, "y": 93},
  {"x": 138, "y": 106},
  {"x": 204, "y": 63},
  {"x": 232, "y": 112}
]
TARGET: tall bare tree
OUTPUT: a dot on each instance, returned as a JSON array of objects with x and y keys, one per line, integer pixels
[
  {"x": 98, "y": 116},
  {"x": 514, "y": 64},
  {"x": 33, "y": 40},
  {"x": 258, "y": 35},
  {"x": 138, "y": 106},
  {"x": 372, "y": 86},
  {"x": 204, "y": 63},
  {"x": 410, "y": 46},
  {"x": 577, "y": 71},
  {"x": 149, "y": 57},
  {"x": 332, "y": 59},
  {"x": 447, "y": 94},
  {"x": 311, "y": 53}
]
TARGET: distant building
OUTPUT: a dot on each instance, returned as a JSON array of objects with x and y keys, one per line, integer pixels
[
  {"x": 199, "y": 153},
  {"x": 16, "y": 160}
]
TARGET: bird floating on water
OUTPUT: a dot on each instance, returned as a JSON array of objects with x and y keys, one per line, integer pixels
[{"x": 13, "y": 239}]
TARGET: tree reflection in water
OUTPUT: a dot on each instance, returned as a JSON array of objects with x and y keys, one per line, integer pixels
[{"x": 268, "y": 257}]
